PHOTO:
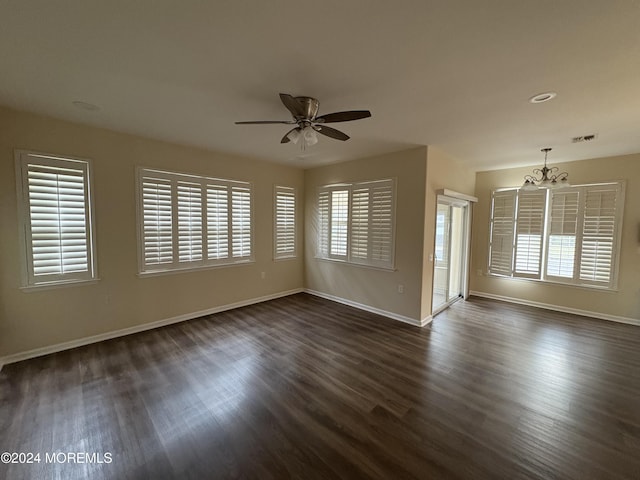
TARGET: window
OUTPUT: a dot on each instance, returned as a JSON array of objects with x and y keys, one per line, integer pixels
[
  {"x": 356, "y": 223},
  {"x": 186, "y": 221},
  {"x": 285, "y": 222},
  {"x": 569, "y": 235},
  {"x": 55, "y": 203}
]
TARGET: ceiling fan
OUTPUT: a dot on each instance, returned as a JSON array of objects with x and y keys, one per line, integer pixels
[{"x": 304, "y": 111}]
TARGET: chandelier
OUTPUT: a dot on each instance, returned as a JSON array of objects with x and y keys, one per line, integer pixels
[{"x": 549, "y": 176}]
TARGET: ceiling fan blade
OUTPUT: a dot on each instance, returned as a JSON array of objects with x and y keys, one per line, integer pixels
[
  {"x": 261, "y": 122},
  {"x": 286, "y": 138},
  {"x": 343, "y": 116},
  {"x": 293, "y": 105},
  {"x": 331, "y": 132}
]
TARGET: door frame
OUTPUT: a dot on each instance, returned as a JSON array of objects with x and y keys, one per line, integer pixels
[{"x": 454, "y": 198}]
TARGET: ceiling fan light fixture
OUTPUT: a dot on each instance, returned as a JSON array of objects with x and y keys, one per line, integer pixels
[
  {"x": 309, "y": 136},
  {"x": 294, "y": 135}
]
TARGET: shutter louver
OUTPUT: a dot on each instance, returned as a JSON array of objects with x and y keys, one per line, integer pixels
[
  {"x": 241, "y": 221},
  {"x": 189, "y": 222},
  {"x": 323, "y": 224},
  {"x": 217, "y": 222},
  {"x": 360, "y": 224},
  {"x": 381, "y": 232},
  {"x": 596, "y": 262},
  {"x": 157, "y": 229},
  {"x": 529, "y": 231},
  {"x": 285, "y": 235},
  {"x": 562, "y": 234},
  {"x": 502, "y": 225},
  {"x": 339, "y": 222},
  {"x": 58, "y": 219}
]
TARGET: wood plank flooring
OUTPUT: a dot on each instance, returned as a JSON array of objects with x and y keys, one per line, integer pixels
[{"x": 301, "y": 387}]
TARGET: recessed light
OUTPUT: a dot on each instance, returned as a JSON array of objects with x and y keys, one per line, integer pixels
[
  {"x": 542, "y": 97},
  {"x": 86, "y": 106}
]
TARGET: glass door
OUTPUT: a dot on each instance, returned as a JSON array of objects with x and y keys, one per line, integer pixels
[
  {"x": 441, "y": 257},
  {"x": 450, "y": 253}
]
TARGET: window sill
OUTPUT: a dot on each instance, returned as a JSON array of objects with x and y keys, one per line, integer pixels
[
  {"x": 54, "y": 285},
  {"x": 170, "y": 271},
  {"x": 288, "y": 257},
  {"x": 555, "y": 284},
  {"x": 352, "y": 264}
]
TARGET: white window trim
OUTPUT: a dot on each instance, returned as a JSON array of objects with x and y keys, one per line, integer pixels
[
  {"x": 205, "y": 264},
  {"x": 28, "y": 283},
  {"x": 289, "y": 255},
  {"x": 574, "y": 283},
  {"x": 346, "y": 259}
]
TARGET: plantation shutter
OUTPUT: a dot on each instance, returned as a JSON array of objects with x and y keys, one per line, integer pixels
[
  {"x": 217, "y": 222},
  {"x": 529, "y": 232},
  {"x": 360, "y": 224},
  {"x": 382, "y": 223},
  {"x": 562, "y": 231},
  {"x": 339, "y": 223},
  {"x": 241, "y": 221},
  {"x": 356, "y": 223},
  {"x": 58, "y": 228},
  {"x": 598, "y": 234},
  {"x": 285, "y": 222},
  {"x": 189, "y": 222},
  {"x": 503, "y": 205},
  {"x": 323, "y": 224},
  {"x": 157, "y": 229}
]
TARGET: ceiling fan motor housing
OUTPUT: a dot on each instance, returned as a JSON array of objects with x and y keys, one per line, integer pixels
[{"x": 309, "y": 108}]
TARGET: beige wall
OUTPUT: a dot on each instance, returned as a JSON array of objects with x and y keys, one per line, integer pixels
[
  {"x": 442, "y": 172},
  {"x": 623, "y": 303},
  {"x": 373, "y": 287},
  {"x": 121, "y": 299}
]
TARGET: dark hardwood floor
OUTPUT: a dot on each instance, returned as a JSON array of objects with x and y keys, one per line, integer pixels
[{"x": 301, "y": 387}]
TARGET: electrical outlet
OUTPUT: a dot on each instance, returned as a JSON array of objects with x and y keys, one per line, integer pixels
[
  {"x": 263, "y": 275},
  {"x": 400, "y": 288},
  {"x": 479, "y": 272}
]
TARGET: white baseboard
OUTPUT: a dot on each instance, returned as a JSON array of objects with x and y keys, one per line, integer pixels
[
  {"x": 367, "y": 308},
  {"x": 37, "y": 352},
  {"x": 558, "y": 308}
]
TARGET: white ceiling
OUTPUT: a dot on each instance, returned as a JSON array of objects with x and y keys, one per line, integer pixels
[{"x": 456, "y": 74}]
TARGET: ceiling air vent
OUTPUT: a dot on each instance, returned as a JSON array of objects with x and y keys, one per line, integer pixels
[{"x": 584, "y": 138}]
